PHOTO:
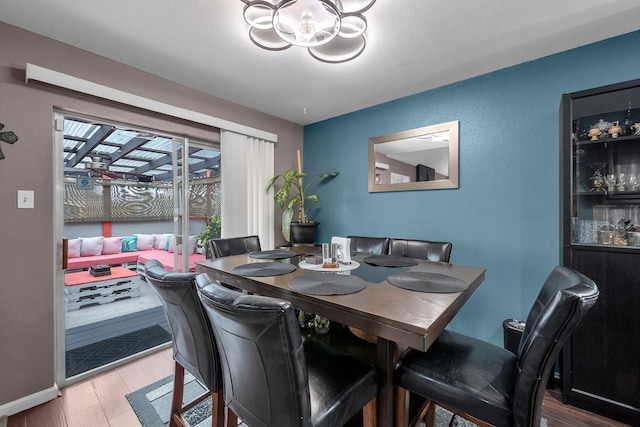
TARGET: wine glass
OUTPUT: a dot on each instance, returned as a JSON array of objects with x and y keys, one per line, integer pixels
[
  {"x": 622, "y": 181},
  {"x": 633, "y": 182},
  {"x": 611, "y": 182}
]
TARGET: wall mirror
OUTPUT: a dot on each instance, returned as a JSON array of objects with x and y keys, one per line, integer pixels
[{"x": 418, "y": 159}]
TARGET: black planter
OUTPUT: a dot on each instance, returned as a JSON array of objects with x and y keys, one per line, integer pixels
[{"x": 303, "y": 234}]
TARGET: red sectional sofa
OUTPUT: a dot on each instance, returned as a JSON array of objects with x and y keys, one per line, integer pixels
[
  {"x": 166, "y": 258},
  {"x": 82, "y": 253}
]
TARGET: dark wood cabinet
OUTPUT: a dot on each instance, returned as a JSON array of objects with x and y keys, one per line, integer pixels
[{"x": 600, "y": 211}]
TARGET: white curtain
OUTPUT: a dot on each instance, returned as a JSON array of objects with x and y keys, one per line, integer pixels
[{"x": 247, "y": 166}]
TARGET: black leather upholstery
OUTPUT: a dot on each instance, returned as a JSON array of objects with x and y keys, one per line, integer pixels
[
  {"x": 272, "y": 377},
  {"x": 234, "y": 246},
  {"x": 193, "y": 345},
  {"x": 489, "y": 382},
  {"x": 193, "y": 341},
  {"x": 369, "y": 245},
  {"x": 420, "y": 249}
]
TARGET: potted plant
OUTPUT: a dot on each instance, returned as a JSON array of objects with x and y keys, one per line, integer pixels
[
  {"x": 294, "y": 192},
  {"x": 211, "y": 231}
]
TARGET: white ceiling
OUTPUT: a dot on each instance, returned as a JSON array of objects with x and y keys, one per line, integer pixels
[{"x": 412, "y": 45}]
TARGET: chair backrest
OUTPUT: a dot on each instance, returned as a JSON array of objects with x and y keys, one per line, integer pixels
[
  {"x": 564, "y": 299},
  {"x": 234, "y": 246},
  {"x": 193, "y": 341},
  {"x": 369, "y": 245},
  {"x": 420, "y": 249},
  {"x": 261, "y": 350}
]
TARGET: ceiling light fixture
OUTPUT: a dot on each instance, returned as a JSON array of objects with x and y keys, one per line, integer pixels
[{"x": 331, "y": 30}]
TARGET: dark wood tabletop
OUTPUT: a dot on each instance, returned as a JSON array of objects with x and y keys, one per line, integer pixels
[{"x": 396, "y": 316}]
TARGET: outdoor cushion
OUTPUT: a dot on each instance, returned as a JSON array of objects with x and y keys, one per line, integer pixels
[
  {"x": 91, "y": 246},
  {"x": 112, "y": 245},
  {"x": 144, "y": 242},
  {"x": 73, "y": 248},
  {"x": 129, "y": 244}
]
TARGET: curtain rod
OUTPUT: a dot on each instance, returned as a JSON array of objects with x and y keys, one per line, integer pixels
[{"x": 55, "y": 78}]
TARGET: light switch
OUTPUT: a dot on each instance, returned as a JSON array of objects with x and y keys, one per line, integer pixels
[{"x": 25, "y": 199}]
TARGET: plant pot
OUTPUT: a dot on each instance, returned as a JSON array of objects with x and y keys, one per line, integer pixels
[{"x": 303, "y": 234}]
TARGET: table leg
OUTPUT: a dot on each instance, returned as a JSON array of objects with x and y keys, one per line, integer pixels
[{"x": 385, "y": 362}]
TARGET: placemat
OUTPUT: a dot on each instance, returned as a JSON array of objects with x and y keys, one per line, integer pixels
[
  {"x": 272, "y": 254},
  {"x": 327, "y": 284},
  {"x": 390, "y": 261},
  {"x": 427, "y": 282},
  {"x": 262, "y": 269}
]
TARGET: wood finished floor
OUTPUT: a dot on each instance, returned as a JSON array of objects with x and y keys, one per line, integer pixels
[{"x": 101, "y": 402}]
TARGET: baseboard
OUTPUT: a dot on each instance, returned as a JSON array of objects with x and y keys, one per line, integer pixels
[{"x": 27, "y": 402}]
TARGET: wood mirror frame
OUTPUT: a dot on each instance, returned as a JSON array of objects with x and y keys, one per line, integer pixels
[{"x": 418, "y": 159}]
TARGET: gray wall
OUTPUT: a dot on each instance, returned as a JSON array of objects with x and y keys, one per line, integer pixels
[{"x": 27, "y": 253}]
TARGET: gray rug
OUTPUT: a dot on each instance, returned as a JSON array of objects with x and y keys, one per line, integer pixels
[{"x": 153, "y": 402}]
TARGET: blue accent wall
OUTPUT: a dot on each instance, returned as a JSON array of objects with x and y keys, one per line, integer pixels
[{"x": 505, "y": 214}]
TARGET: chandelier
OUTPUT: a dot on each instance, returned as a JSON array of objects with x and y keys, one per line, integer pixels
[{"x": 331, "y": 30}]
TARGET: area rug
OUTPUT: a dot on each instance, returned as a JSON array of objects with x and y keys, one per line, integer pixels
[
  {"x": 91, "y": 356},
  {"x": 152, "y": 406}
]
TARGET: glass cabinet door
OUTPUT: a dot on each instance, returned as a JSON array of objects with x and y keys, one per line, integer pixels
[{"x": 606, "y": 168}]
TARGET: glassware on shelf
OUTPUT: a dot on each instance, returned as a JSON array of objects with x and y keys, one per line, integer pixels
[
  {"x": 634, "y": 229},
  {"x": 634, "y": 238},
  {"x": 627, "y": 127},
  {"x": 632, "y": 182},
  {"x": 597, "y": 180},
  {"x": 623, "y": 227},
  {"x": 611, "y": 182},
  {"x": 605, "y": 235},
  {"x": 621, "y": 184}
]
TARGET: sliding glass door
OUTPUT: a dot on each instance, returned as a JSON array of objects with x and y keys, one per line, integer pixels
[{"x": 136, "y": 194}]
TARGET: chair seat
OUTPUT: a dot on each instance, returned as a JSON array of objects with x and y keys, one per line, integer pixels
[
  {"x": 336, "y": 397},
  {"x": 462, "y": 372}
]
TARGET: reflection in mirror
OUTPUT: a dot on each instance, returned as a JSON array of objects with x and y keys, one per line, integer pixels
[{"x": 417, "y": 159}]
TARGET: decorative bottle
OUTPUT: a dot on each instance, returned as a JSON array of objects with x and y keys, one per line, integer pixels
[{"x": 627, "y": 128}]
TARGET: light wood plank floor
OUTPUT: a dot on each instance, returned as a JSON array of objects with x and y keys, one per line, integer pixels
[{"x": 101, "y": 402}]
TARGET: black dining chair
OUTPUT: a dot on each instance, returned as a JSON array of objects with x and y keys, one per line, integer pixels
[
  {"x": 420, "y": 249},
  {"x": 369, "y": 245},
  {"x": 234, "y": 246},
  {"x": 194, "y": 348},
  {"x": 487, "y": 384},
  {"x": 272, "y": 377}
]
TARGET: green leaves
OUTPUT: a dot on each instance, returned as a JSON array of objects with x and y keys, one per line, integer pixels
[
  {"x": 287, "y": 216},
  {"x": 328, "y": 175},
  {"x": 292, "y": 193},
  {"x": 9, "y": 137}
]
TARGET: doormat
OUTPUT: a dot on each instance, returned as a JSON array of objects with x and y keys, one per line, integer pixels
[
  {"x": 83, "y": 359},
  {"x": 152, "y": 406}
]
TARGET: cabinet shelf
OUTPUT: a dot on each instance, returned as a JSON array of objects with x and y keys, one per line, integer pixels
[
  {"x": 602, "y": 247},
  {"x": 611, "y": 194},
  {"x": 604, "y": 141}
]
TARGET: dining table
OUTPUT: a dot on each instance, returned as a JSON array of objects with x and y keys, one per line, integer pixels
[{"x": 402, "y": 302}]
